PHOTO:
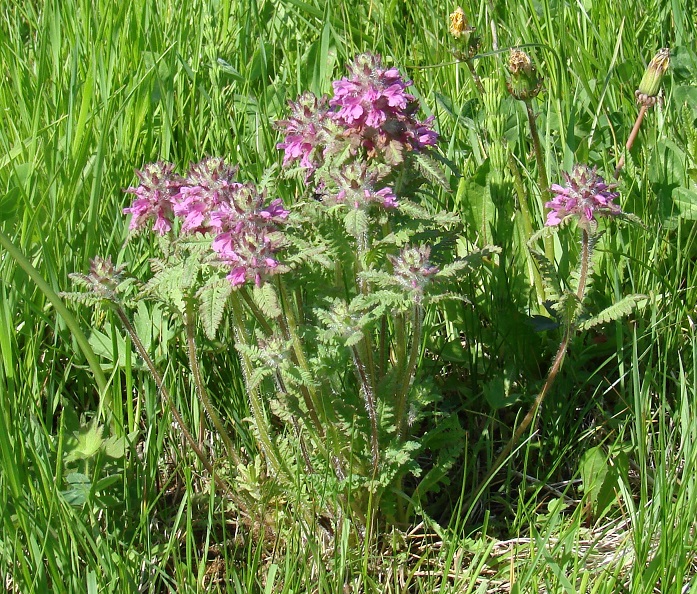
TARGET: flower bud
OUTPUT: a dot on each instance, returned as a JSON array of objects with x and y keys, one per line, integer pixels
[
  {"x": 524, "y": 82},
  {"x": 651, "y": 82}
]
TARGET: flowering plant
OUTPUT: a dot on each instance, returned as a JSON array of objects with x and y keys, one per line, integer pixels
[{"x": 326, "y": 298}]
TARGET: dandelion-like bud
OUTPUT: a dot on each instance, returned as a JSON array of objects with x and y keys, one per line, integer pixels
[
  {"x": 524, "y": 83},
  {"x": 650, "y": 83},
  {"x": 459, "y": 25},
  {"x": 585, "y": 195}
]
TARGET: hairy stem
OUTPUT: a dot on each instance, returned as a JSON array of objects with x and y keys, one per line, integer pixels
[
  {"x": 586, "y": 252},
  {"x": 369, "y": 396},
  {"x": 256, "y": 404},
  {"x": 190, "y": 324},
  {"x": 632, "y": 137},
  {"x": 290, "y": 329},
  {"x": 170, "y": 404},
  {"x": 475, "y": 76}
]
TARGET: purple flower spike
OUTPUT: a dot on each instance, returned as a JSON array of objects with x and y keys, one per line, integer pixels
[
  {"x": 371, "y": 95},
  {"x": 154, "y": 197},
  {"x": 305, "y": 130},
  {"x": 372, "y": 104},
  {"x": 585, "y": 195}
]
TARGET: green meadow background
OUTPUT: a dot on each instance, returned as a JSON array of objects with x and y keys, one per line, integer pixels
[{"x": 89, "y": 91}]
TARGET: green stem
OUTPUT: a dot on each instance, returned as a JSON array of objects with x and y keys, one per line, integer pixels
[
  {"x": 189, "y": 323},
  {"x": 409, "y": 372},
  {"x": 291, "y": 330},
  {"x": 256, "y": 312},
  {"x": 70, "y": 321},
  {"x": 543, "y": 181},
  {"x": 369, "y": 396},
  {"x": 527, "y": 223},
  {"x": 475, "y": 77}
]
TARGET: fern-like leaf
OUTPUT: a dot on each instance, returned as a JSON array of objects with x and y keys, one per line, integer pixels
[
  {"x": 267, "y": 301},
  {"x": 550, "y": 278},
  {"x": 614, "y": 312},
  {"x": 431, "y": 169},
  {"x": 213, "y": 297}
]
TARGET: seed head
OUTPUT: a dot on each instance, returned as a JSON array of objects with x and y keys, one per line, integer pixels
[
  {"x": 524, "y": 82},
  {"x": 462, "y": 31}
]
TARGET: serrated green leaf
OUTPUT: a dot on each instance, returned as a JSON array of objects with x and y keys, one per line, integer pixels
[
  {"x": 356, "y": 222},
  {"x": 431, "y": 169},
  {"x": 548, "y": 274}
]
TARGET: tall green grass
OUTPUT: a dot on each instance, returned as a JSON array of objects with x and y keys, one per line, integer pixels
[{"x": 91, "y": 90}]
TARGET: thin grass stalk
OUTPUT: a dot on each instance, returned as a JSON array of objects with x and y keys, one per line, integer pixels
[
  {"x": 543, "y": 180},
  {"x": 68, "y": 318},
  {"x": 527, "y": 224}
]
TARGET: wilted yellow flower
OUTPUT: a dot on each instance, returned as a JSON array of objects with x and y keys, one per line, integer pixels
[
  {"x": 459, "y": 25},
  {"x": 651, "y": 81}
]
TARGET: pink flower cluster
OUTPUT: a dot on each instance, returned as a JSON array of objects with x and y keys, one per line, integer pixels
[
  {"x": 154, "y": 197},
  {"x": 370, "y": 111},
  {"x": 208, "y": 200},
  {"x": 307, "y": 132},
  {"x": 373, "y": 104},
  {"x": 585, "y": 195},
  {"x": 247, "y": 236}
]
